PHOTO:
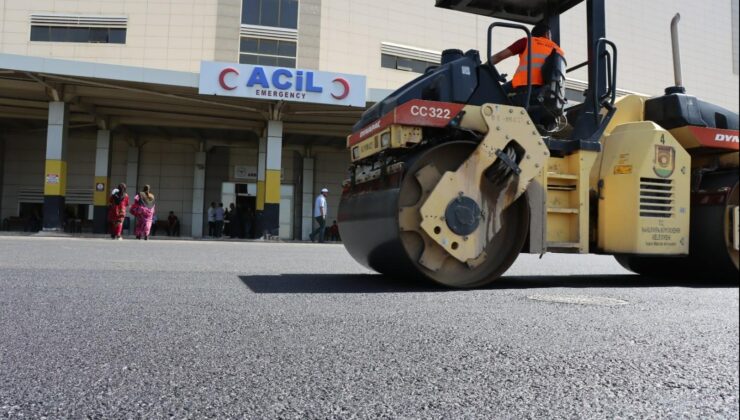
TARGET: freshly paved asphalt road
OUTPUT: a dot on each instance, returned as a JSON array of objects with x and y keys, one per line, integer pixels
[{"x": 98, "y": 328}]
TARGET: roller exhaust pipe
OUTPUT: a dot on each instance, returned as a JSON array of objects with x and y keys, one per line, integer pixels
[{"x": 678, "y": 80}]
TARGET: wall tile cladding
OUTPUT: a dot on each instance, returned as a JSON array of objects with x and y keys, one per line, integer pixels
[
  {"x": 23, "y": 168},
  {"x": 244, "y": 155},
  {"x": 170, "y": 34},
  {"x": 119, "y": 154},
  {"x": 24, "y": 165},
  {"x": 167, "y": 166},
  {"x": 351, "y": 33},
  {"x": 80, "y": 159},
  {"x": 705, "y": 34},
  {"x": 228, "y": 20},
  {"x": 178, "y": 34},
  {"x": 309, "y": 33},
  {"x": 248, "y": 156}
]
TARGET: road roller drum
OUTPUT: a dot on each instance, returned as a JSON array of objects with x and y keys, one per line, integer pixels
[{"x": 381, "y": 227}]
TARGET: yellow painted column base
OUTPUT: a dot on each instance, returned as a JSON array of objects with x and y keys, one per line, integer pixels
[
  {"x": 100, "y": 190},
  {"x": 260, "y": 195},
  {"x": 55, "y": 178},
  {"x": 272, "y": 186}
]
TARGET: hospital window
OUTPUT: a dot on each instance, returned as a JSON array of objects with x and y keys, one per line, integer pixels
[
  {"x": 78, "y": 34},
  {"x": 267, "y": 52},
  {"x": 278, "y": 13},
  {"x": 389, "y": 61}
]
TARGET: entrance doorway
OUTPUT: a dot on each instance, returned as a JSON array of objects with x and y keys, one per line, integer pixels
[
  {"x": 246, "y": 208},
  {"x": 244, "y": 197}
]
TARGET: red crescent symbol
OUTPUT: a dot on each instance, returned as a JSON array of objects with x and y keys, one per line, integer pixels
[
  {"x": 222, "y": 76},
  {"x": 345, "y": 85}
]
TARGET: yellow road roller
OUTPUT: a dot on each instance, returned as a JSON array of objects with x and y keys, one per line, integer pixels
[{"x": 456, "y": 173}]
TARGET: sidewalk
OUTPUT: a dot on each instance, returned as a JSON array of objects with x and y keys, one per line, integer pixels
[{"x": 132, "y": 237}]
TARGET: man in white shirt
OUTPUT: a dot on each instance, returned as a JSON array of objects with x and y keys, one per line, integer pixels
[{"x": 320, "y": 210}]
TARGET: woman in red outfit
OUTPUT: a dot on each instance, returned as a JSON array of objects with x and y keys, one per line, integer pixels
[{"x": 117, "y": 210}]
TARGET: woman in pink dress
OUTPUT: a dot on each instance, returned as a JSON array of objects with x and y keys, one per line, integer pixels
[{"x": 143, "y": 210}]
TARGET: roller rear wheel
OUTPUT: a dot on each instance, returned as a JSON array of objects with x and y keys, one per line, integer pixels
[{"x": 712, "y": 255}]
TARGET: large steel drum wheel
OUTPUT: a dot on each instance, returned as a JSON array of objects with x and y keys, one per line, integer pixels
[{"x": 423, "y": 253}]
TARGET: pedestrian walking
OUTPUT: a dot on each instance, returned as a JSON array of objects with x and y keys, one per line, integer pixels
[
  {"x": 143, "y": 210},
  {"x": 117, "y": 204},
  {"x": 320, "y": 210}
]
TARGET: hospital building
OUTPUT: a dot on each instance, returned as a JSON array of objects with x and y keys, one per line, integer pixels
[{"x": 251, "y": 101}]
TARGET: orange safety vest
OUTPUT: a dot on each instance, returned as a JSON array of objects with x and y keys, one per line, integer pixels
[{"x": 541, "y": 49}]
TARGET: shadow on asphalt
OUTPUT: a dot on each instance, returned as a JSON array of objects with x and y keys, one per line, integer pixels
[
  {"x": 335, "y": 283},
  {"x": 606, "y": 281},
  {"x": 377, "y": 283}
]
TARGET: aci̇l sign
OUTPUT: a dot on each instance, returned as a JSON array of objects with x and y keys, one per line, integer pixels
[{"x": 277, "y": 83}]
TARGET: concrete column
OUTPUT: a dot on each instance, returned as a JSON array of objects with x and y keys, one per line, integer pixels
[
  {"x": 132, "y": 178},
  {"x": 199, "y": 185},
  {"x": 101, "y": 182},
  {"x": 55, "y": 173},
  {"x": 307, "y": 199},
  {"x": 268, "y": 188},
  {"x": 261, "y": 169}
]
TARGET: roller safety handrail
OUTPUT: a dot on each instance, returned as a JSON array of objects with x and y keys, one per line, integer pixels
[
  {"x": 529, "y": 52},
  {"x": 611, "y": 73}
]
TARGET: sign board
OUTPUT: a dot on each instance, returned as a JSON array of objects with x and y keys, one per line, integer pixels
[
  {"x": 245, "y": 172},
  {"x": 279, "y": 83},
  {"x": 52, "y": 179}
]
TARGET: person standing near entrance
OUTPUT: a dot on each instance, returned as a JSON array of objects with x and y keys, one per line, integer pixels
[
  {"x": 228, "y": 219},
  {"x": 218, "y": 215},
  {"x": 236, "y": 223},
  {"x": 320, "y": 210},
  {"x": 117, "y": 204},
  {"x": 212, "y": 219},
  {"x": 173, "y": 225}
]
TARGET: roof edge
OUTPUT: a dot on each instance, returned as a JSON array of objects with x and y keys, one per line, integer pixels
[{"x": 75, "y": 68}]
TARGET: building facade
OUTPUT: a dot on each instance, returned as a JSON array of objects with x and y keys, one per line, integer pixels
[{"x": 122, "y": 79}]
